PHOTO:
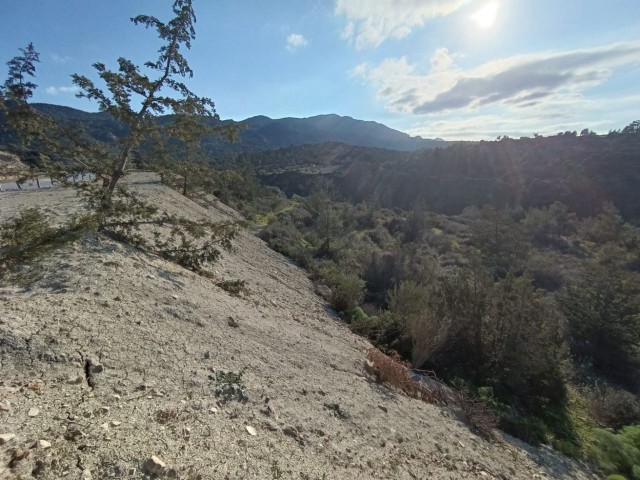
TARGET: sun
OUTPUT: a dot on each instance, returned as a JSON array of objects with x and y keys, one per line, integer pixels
[{"x": 486, "y": 16}]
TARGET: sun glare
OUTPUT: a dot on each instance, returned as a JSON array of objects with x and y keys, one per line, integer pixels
[{"x": 486, "y": 16}]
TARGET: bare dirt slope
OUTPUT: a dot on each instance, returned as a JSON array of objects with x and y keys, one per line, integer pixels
[{"x": 108, "y": 359}]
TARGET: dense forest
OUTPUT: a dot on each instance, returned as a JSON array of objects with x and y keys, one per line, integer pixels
[{"x": 581, "y": 171}]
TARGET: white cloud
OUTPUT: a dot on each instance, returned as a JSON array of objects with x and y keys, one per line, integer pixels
[
  {"x": 518, "y": 82},
  {"x": 61, "y": 59},
  {"x": 371, "y": 22},
  {"x": 61, "y": 90},
  {"x": 296, "y": 41},
  {"x": 571, "y": 112}
]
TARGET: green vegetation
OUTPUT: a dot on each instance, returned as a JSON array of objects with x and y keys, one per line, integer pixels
[
  {"x": 30, "y": 236},
  {"x": 535, "y": 312},
  {"x": 618, "y": 454},
  {"x": 229, "y": 386}
]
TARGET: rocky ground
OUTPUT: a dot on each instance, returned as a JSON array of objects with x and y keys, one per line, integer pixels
[{"x": 111, "y": 360}]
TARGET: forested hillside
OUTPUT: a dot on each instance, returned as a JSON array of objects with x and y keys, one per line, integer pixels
[{"x": 582, "y": 171}]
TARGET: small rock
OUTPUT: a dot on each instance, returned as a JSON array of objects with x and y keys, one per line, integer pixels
[
  {"x": 151, "y": 277},
  {"x": 34, "y": 412},
  {"x": 290, "y": 432},
  {"x": 251, "y": 431},
  {"x": 19, "y": 455},
  {"x": 4, "y": 406},
  {"x": 383, "y": 408},
  {"x": 207, "y": 355},
  {"x": 213, "y": 410},
  {"x": 175, "y": 297},
  {"x": 6, "y": 437},
  {"x": 115, "y": 423},
  {"x": 75, "y": 380},
  {"x": 154, "y": 466},
  {"x": 95, "y": 367},
  {"x": 324, "y": 291},
  {"x": 104, "y": 410},
  {"x": 86, "y": 475},
  {"x": 43, "y": 444},
  {"x": 232, "y": 323}
]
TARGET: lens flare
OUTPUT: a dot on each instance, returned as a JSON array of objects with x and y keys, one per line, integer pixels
[{"x": 485, "y": 18}]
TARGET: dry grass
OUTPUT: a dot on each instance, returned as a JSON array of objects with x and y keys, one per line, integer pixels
[{"x": 393, "y": 371}]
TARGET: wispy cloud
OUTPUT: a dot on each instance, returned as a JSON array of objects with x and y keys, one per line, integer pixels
[
  {"x": 371, "y": 22},
  {"x": 296, "y": 41},
  {"x": 62, "y": 90},
  {"x": 61, "y": 59},
  {"x": 571, "y": 112},
  {"x": 517, "y": 82}
]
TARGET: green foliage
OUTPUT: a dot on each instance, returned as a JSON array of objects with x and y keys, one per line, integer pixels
[
  {"x": 229, "y": 386},
  {"x": 499, "y": 239},
  {"x": 236, "y": 288},
  {"x": 603, "y": 311},
  {"x": 618, "y": 453},
  {"x": 347, "y": 290},
  {"x": 547, "y": 225},
  {"x": 191, "y": 244},
  {"x": 30, "y": 236},
  {"x": 356, "y": 315}
]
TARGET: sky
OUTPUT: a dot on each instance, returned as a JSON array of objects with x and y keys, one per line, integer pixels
[{"x": 454, "y": 69}]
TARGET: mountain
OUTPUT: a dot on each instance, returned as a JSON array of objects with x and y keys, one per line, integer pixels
[
  {"x": 258, "y": 133},
  {"x": 285, "y": 132}
]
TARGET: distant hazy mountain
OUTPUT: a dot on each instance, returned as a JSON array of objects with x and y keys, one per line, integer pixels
[{"x": 264, "y": 133}]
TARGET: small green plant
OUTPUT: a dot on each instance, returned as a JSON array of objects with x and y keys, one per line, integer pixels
[
  {"x": 235, "y": 288},
  {"x": 355, "y": 315},
  {"x": 229, "y": 386}
]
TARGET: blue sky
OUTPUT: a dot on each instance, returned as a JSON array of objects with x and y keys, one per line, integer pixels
[{"x": 457, "y": 69}]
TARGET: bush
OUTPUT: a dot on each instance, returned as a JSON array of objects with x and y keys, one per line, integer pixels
[
  {"x": 347, "y": 289},
  {"x": 613, "y": 407},
  {"x": 31, "y": 236},
  {"x": 618, "y": 453},
  {"x": 235, "y": 288}
]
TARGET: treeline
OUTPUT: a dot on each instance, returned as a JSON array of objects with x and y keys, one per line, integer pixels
[{"x": 581, "y": 171}]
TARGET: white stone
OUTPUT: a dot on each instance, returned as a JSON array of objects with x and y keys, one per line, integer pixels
[
  {"x": 43, "y": 444},
  {"x": 6, "y": 437}
]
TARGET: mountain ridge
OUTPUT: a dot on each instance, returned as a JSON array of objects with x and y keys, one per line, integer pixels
[{"x": 265, "y": 133}]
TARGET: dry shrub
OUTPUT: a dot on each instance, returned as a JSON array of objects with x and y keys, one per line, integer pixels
[
  {"x": 395, "y": 372},
  {"x": 614, "y": 407},
  {"x": 479, "y": 417}
]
